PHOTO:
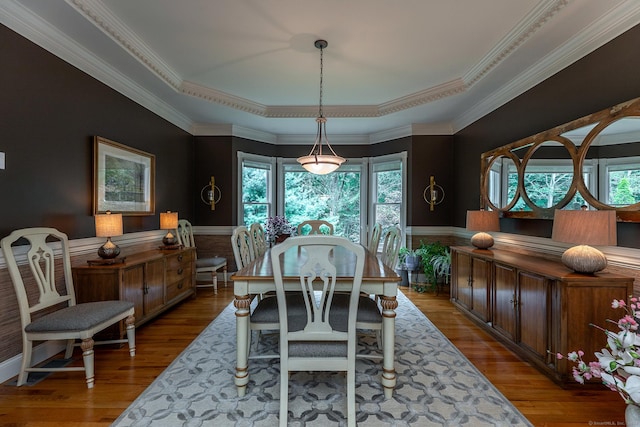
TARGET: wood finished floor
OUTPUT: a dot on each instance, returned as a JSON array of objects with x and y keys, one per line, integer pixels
[{"x": 62, "y": 399}]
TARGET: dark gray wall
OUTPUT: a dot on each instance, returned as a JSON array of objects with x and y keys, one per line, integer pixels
[{"x": 50, "y": 112}]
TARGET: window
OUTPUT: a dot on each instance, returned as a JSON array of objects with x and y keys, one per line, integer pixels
[
  {"x": 256, "y": 186},
  {"x": 388, "y": 204},
  {"x": 344, "y": 197},
  {"x": 620, "y": 181},
  {"x": 335, "y": 197}
]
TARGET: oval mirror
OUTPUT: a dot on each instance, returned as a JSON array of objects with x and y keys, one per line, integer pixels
[{"x": 500, "y": 171}]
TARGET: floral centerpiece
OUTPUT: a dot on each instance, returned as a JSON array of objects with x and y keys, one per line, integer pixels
[
  {"x": 277, "y": 229},
  {"x": 618, "y": 365}
]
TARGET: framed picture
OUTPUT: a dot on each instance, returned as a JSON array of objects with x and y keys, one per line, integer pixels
[{"x": 123, "y": 179}]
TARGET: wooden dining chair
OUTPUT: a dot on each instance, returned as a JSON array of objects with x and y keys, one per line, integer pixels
[
  {"x": 315, "y": 226},
  {"x": 323, "y": 336},
  {"x": 374, "y": 239},
  {"x": 206, "y": 268},
  {"x": 47, "y": 301}
]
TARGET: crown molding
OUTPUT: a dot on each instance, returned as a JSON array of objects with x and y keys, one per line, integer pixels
[
  {"x": 101, "y": 17},
  {"x": 620, "y": 19},
  {"x": 24, "y": 22}
]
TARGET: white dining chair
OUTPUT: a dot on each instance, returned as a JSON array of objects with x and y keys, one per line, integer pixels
[
  {"x": 391, "y": 242},
  {"x": 374, "y": 239},
  {"x": 258, "y": 238},
  {"x": 206, "y": 268},
  {"x": 47, "y": 301},
  {"x": 322, "y": 337},
  {"x": 264, "y": 314}
]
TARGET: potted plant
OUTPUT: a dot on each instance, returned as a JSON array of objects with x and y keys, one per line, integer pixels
[
  {"x": 442, "y": 265},
  {"x": 277, "y": 229},
  {"x": 427, "y": 252}
]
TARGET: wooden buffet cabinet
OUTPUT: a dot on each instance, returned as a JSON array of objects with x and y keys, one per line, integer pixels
[
  {"x": 536, "y": 306},
  {"x": 153, "y": 280}
]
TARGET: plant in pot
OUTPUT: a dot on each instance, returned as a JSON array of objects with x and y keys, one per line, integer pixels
[
  {"x": 407, "y": 260},
  {"x": 427, "y": 252}
]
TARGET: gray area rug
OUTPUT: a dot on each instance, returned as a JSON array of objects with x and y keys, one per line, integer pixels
[{"x": 437, "y": 385}]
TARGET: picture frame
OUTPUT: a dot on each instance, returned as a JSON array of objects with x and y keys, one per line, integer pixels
[{"x": 123, "y": 179}]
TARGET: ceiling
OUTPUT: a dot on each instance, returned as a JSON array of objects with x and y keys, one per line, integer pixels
[{"x": 250, "y": 68}]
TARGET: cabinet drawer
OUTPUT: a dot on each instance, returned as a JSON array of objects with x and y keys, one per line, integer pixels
[
  {"x": 178, "y": 267},
  {"x": 177, "y": 288}
]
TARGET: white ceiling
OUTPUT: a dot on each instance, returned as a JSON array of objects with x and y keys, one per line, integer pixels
[{"x": 249, "y": 67}]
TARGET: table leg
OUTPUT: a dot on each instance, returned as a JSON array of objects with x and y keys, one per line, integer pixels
[
  {"x": 242, "y": 304},
  {"x": 389, "y": 304}
]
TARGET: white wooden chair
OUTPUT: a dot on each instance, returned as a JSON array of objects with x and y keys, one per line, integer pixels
[
  {"x": 324, "y": 337},
  {"x": 391, "y": 242},
  {"x": 264, "y": 315},
  {"x": 258, "y": 238},
  {"x": 374, "y": 240},
  {"x": 315, "y": 226},
  {"x": 206, "y": 268},
  {"x": 39, "y": 288}
]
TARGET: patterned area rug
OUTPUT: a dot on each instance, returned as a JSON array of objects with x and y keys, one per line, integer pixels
[{"x": 437, "y": 385}]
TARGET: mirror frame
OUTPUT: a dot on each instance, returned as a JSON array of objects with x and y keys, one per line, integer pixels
[{"x": 577, "y": 153}]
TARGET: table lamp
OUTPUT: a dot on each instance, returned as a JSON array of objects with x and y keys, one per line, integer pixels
[
  {"x": 482, "y": 221},
  {"x": 585, "y": 228},
  {"x": 108, "y": 225},
  {"x": 169, "y": 222}
]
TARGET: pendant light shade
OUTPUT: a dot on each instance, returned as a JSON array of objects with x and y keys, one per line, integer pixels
[{"x": 316, "y": 161}]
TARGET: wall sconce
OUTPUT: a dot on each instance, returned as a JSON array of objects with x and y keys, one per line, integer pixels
[
  {"x": 108, "y": 225},
  {"x": 211, "y": 194},
  {"x": 482, "y": 221},
  {"x": 585, "y": 228},
  {"x": 433, "y": 193},
  {"x": 169, "y": 222}
]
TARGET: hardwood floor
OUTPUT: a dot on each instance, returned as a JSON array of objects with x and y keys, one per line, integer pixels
[{"x": 62, "y": 399}]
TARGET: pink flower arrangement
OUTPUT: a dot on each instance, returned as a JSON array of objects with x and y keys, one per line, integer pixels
[{"x": 618, "y": 365}]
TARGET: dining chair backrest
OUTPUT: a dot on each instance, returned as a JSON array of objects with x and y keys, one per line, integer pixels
[
  {"x": 391, "y": 246},
  {"x": 242, "y": 246},
  {"x": 374, "y": 240},
  {"x": 315, "y": 226},
  {"x": 258, "y": 238},
  {"x": 323, "y": 336},
  {"x": 185, "y": 234}
]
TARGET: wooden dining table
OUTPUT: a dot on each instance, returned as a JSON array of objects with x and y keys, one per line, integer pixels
[{"x": 257, "y": 278}]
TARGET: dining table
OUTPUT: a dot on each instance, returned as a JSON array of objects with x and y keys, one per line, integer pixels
[{"x": 257, "y": 278}]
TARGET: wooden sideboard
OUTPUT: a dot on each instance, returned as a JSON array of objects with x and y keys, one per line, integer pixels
[
  {"x": 153, "y": 280},
  {"x": 536, "y": 306}
]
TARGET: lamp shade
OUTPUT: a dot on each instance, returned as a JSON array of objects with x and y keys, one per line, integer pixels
[
  {"x": 168, "y": 220},
  {"x": 585, "y": 227},
  {"x": 108, "y": 224},
  {"x": 483, "y": 220}
]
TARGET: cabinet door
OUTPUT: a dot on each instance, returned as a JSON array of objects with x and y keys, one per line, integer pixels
[
  {"x": 154, "y": 286},
  {"x": 480, "y": 288},
  {"x": 533, "y": 303},
  {"x": 463, "y": 279},
  {"x": 133, "y": 288},
  {"x": 504, "y": 312}
]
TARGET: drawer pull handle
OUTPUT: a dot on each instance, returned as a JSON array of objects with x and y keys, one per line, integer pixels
[
  {"x": 180, "y": 258},
  {"x": 180, "y": 271},
  {"x": 180, "y": 285}
]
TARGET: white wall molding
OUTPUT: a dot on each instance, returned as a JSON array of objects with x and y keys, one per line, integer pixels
[{"x": 11, "y": 367}]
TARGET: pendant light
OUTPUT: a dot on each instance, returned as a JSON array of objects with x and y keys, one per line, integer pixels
[{"x": 316, "y": 162}]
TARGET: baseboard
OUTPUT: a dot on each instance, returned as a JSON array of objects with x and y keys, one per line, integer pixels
[{"x": 11, "y": 367}]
